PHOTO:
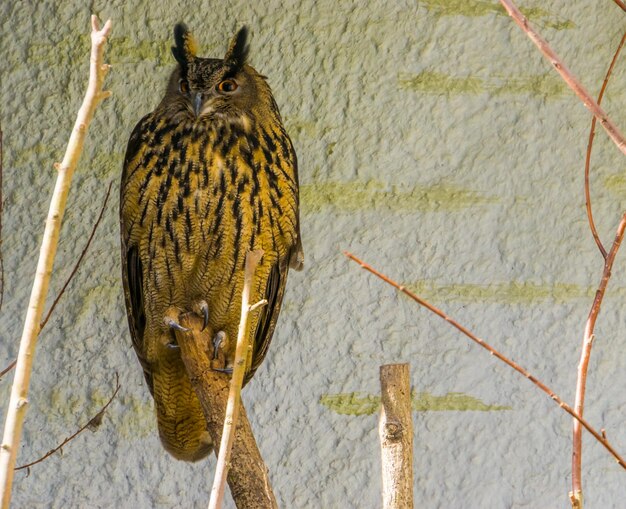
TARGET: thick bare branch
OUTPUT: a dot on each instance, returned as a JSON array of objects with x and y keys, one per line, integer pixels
[
  {"x": 19, "y": 392},
  {"x": 248, "y": 478}
]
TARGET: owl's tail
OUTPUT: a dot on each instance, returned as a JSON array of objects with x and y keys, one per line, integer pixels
[{"x": 182, "y": 426}]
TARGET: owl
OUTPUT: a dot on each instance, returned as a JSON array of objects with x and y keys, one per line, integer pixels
[{"x": 209, "y": 175}]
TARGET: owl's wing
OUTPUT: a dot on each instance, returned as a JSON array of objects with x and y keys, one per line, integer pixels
[
  {"x": 268, "y": 314},
  {"x": 132, "y": 270},
  {"x": 276, "y": 287},
  {"x": 296, "y": 256}
]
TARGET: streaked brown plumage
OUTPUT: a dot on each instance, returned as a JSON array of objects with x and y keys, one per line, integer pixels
[{"x": 208, "y": 176}]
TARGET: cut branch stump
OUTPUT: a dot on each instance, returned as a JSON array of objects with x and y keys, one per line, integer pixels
[{"x": 396, "y": 436}]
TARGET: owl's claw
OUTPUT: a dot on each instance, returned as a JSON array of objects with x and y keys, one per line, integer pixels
[
  {"x": 173, "y": 324},
  {"x": 217, "y": 341},
  {"x": 228, "y": 371},
  {"x": 172, "y": 346},
  {"x": 201, "y": 308},
  {"x": 204, "y": 308}
]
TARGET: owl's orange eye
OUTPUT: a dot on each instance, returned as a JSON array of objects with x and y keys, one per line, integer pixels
[
  {"x": 183, "y": 86},
  {"x": 227, "y": 86}
]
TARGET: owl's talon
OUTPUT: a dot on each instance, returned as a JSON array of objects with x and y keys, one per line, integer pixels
[
  {"x": 204, "y": 309},
  {"x": 172, "y": 346},
  {"x": 173, "y": 324},
  {"x": 228, "y": 371},
  {"x": 217, "y": 341}
]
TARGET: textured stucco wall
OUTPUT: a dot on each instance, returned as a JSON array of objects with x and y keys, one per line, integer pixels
[{"x": 434, "y": 141}]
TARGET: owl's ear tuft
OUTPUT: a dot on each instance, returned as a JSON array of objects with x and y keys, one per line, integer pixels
[
  {"x": 238, "y": 48},
  {"x": 186, "y": 47}
]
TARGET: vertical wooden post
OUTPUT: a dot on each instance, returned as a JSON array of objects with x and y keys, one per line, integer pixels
[{"x": 396, "y": 436}]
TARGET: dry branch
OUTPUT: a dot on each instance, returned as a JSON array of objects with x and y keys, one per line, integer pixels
[
  {"x": 19, "y": 392},
  {"x": 584, "y": 361},
  {"x": 597, "y": 435},
  {"x": 592, "y": 133},
  {"x": 242, "y": 353},
  {"x": 576, "y": 495},
  {"x": 92, "y": 424},
  {"x": 396, "y": 436},
  {"x": 248, "y": 478},
  {"x": 566, "y": 74}
]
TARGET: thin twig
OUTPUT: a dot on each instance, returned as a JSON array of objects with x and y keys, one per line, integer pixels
[
  {"x": 581, "y": 382},
  {"x": 92, "y": 424},
  {"x": 576, "y": 495},
  {"x": 598, "y": 436},
  {"x": 242, "y": 353},
  {"x": 18, "y": 403},
  {"x": 592, "y": 133},
  {"x": 620, "y": 4},
  {"x": 71, "y": 276},
  {"x": 566, "y": 74}
]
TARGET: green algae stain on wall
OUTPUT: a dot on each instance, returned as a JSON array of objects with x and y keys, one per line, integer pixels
[
  {"x": 353, "y": 196},
  {"x": 132, "y": 417},
  {"x": 616, "y": 183},
  {"x": 474, "y": 8},
  {"x": 511, "y": 292},
  {"x": 121, "y": 50},
  {"x": 354, "y": 403},
  {"x": 101, "y": 164},
  {"x": 543, "y": 85}
]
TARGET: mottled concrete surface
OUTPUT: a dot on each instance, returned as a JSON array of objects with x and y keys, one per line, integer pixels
[{"x": 434, "y": 142}]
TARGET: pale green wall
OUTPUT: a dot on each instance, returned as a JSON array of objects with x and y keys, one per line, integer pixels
[{"x": 434, "y": 142}]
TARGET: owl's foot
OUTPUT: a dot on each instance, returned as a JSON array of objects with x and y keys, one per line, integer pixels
[{"x": 201, "y": 308}]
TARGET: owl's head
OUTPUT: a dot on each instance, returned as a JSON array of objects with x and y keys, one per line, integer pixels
[{"x": 217, "y": 88}]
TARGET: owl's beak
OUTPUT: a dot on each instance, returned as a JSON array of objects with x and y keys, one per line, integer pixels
[{"x": 197, "y": 102}]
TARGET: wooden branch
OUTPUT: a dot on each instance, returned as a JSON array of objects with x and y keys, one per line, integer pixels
[
  {"x": 576, "y": 495},
  {"x": 592, "y": 133},
  {"x": 579, "y": 404},
  {"x": 597, "y": 435},
  {"x": 19, "y": 392},
  {"x": 396, "y": 436},
  {"x": 566, "y": 74},
  {"x": 243, "y": 352},
  {"x": 248, "y": 478}
]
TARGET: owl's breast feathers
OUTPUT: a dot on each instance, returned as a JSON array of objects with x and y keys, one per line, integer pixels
[{"x": 196, "y": 197}]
